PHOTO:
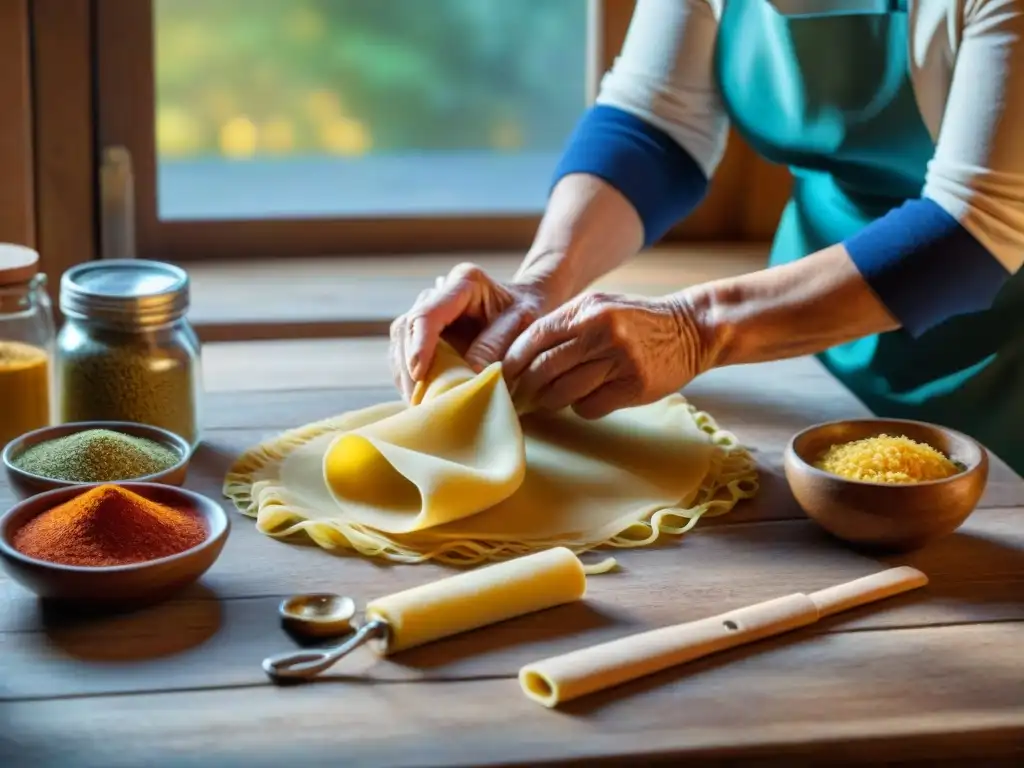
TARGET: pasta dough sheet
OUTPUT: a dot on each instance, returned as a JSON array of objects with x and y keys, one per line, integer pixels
[{"x": 459, "y": 477}]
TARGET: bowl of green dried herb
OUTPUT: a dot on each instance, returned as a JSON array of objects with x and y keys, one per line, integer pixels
[{"x": 92, "y": 452}]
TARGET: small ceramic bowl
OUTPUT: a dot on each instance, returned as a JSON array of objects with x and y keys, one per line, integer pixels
[
  {"x": 114, "y": 586},
  {"x": 885, "y": 516},
  {"x": 27, "y": 484}
]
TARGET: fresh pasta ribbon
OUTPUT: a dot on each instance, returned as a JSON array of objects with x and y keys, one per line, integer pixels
[{"x": 457, "y": 455}]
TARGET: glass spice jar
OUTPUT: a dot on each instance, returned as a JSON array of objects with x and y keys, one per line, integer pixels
[
  {"x": 126, "y": 351},
  {"x": 26, "y": 344}
]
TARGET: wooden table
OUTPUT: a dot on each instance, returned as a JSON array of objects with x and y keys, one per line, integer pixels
[{"x": 933, "y": 674}]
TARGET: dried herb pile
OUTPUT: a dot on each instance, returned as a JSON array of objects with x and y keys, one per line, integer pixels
[{"x": 97, "y": 456}]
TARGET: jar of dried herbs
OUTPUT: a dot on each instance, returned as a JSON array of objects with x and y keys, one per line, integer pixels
[
  {"x": 126, "y": 351},
  {"x": 26, "y": 343}
]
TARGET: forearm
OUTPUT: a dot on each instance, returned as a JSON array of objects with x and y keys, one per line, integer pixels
[
  {"x": 800, "y": 308},
  {"x": 945, "y": 255},
  {"x": 639, "y": 160},
  {"x": 587, "y": 230}
]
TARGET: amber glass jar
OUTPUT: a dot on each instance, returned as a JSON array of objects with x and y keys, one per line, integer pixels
[{"x": 26, "y": 344}]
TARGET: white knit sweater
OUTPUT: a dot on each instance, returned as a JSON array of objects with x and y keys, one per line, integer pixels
[{"x": 967, "y": 69}]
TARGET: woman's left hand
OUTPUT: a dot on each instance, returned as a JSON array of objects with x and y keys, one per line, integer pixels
[{"x": 601, "y": 352}]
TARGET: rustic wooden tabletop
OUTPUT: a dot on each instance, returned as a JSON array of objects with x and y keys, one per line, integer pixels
[{"x": 937, "y": 673}]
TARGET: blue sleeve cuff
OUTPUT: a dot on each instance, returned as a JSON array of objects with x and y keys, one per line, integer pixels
[
  {"x": 660, "y": 179},
  {"x": 925, "y": 267}
]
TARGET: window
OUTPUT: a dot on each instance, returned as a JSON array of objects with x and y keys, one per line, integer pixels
[
  {"x": 356, "y": 108},
  {"x": 273, "y": 127}
]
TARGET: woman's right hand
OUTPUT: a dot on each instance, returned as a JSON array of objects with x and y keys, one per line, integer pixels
[{"x": 478, "y": 315}]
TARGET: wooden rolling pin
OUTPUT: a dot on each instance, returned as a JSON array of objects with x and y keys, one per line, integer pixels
[{"x": 563, "y": 678}]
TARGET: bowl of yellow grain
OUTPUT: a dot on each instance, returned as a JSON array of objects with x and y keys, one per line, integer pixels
[{"x": 889, "y": 484}]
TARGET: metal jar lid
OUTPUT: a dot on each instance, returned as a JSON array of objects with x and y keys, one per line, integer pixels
[{"x": 125, "y": 292}]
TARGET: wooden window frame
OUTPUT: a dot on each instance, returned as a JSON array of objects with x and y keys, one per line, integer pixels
[
  {"x": 17, "y": 187},
  {"x": 67, "y": 229},
  {"x": 92, "y": 86}
]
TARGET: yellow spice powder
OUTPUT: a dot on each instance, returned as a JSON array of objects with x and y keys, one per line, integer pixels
[
  {"x": 24, "y": 389},
  {"x": 887, "y": 459}
]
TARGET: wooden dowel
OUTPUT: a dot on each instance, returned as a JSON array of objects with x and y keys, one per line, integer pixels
[
  {"x": 877, "y": 586},
  {"x": 562, "y": 678}
]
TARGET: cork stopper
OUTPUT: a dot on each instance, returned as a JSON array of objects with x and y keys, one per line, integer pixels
[{"x": 18, "y": 264}]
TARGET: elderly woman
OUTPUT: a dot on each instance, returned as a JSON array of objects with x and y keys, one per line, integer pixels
[{"x": 895, "y": 260}]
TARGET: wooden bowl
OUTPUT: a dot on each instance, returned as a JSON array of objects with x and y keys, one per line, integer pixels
[
  {"x": 882, "y": 516},
  {"x": 27, "y": 484},
  {"x": 114, "y": 586}
]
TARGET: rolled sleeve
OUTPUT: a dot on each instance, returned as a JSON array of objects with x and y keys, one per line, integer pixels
[
  {"x": 953, "y": 250},
  {"x": 658, "y": 129},
  {"x": 660, "y": 179}
]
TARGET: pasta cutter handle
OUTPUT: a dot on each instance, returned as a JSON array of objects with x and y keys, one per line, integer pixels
[{"x": 310, "y": 662}]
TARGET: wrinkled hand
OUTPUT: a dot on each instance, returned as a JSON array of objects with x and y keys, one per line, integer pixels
[
  {"x": 601, "y": 352},
  {"x": 479, "y": 316}
]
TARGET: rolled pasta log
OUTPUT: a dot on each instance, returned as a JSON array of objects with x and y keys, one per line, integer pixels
[
  {"x": 476, "y": 598},
  {"x": 559, "y": 679}
]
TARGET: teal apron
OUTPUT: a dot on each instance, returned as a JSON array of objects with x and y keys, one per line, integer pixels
[{"x": 830, "y": 96}]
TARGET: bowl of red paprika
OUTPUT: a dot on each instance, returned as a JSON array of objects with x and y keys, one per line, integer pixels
[{"x": 114, "y": 545}]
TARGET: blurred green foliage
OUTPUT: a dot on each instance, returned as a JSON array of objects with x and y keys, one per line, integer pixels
[{"x": 263, "y": 77}]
